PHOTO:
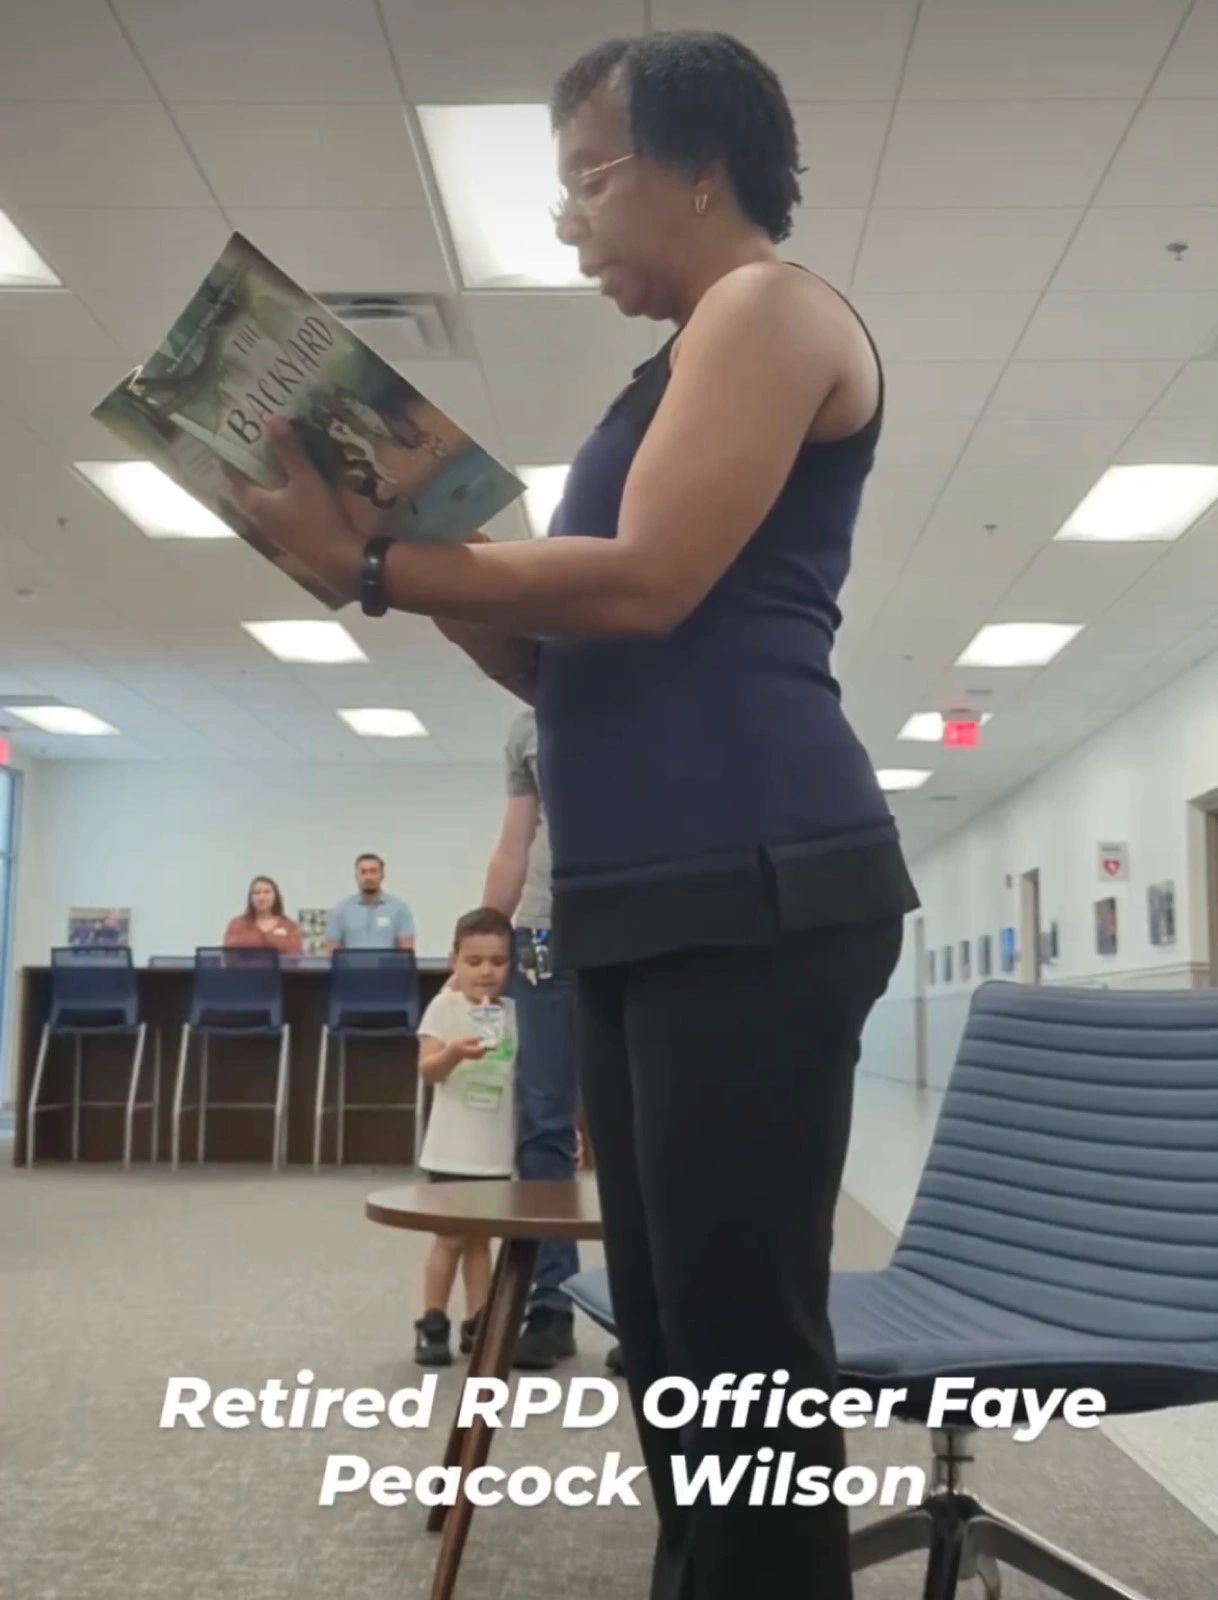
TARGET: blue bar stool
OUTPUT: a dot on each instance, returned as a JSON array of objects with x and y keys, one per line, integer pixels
[
  {"x": 93, "y": 992},
  {"x": 374, "y": 994},
  {"x": 237, "y": 994}
]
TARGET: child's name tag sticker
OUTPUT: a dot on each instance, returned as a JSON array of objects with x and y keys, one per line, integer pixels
[{"x": 482, "y": 1096}]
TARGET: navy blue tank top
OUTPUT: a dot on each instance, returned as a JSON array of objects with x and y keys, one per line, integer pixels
[{"x": 705, "y": 788}]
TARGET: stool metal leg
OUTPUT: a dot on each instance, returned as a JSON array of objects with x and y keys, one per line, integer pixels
[
  {"x": 77, "y": 1075},
  {"x": 341, "y": 1113},
  {"x": 319, "y": 1112},
  {"x": 201, "y": 1135},
  {"x": 132, "y": 1091},
  {"x": 183, "y": 1059},
  {"x": 279, "y": 1153},
  {"x": 156, "y": 1098},
  {"x": 31, "y": 1110}
]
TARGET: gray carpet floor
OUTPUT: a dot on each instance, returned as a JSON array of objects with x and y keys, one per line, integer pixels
[{"x": 110, "y": 1284}]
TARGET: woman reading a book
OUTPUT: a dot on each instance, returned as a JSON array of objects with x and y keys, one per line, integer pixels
[{"x": 728, "y": 882}]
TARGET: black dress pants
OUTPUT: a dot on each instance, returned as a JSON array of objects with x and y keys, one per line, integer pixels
[{"x": 718, "y": 1086}]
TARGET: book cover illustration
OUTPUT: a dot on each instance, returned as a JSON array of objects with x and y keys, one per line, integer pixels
[{"x": 253, "y": 345}]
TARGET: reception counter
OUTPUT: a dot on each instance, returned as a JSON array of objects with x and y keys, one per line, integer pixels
[{"x": 380, "y": 1074}]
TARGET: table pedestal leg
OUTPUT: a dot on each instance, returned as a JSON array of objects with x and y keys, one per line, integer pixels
[{"x": 491, "y": 1358}]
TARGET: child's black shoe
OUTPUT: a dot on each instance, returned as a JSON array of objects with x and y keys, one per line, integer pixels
[
  {"x": 432, "y": 1332},
  {"x": 469, "y": 1332}
]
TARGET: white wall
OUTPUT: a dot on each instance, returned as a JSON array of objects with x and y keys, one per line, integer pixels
[
  {"x": 1134, "y": 782},
  {"x": 178, "y": 844}
]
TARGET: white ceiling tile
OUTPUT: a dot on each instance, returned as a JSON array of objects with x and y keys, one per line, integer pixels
[
  {"x": 1168, "y": 157},
  {"x": 947, "y": 248},
  {"x": 949, "y": 388},
  {"x": 1039, "y": 49},
  {"x": 261, "y": 51},
  {"x": 1175, "y": 439},
  {"x": 834, "y": 50},
  {"x": 1082, "y": 581},
  {"x": 1126, "y": 327},
  {"x": 1049, "y": 390},
  {"x": 840, "y": 146},
  {"x": 520, "y": 50},
  {"x": 134, "y": 269},
  {"x": 316, "y": 157},
  {"x": 43, "y": 329},
  {"x": 909, "y": 438},
  {"x": 825, "y": 240},
  {"x": 364, "y": 251},
  {"x": 1189, "y": 68},
  {"x": 1087, "y": 445},
  {"x": 1016, "y": 153},
  {"x": 66, "y": 50},
  {"x": 1193, "y": 394},
  {"x": 946, "y": 327},
  {"x": 1125, "y": 247},
  {"x": 95, "y": 155},
  {"x": 553, "y": 364}
]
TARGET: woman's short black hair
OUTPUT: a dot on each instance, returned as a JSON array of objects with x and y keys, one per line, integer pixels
[{"x": 695, "y": 98}]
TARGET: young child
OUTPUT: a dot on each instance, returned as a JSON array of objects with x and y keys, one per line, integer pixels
[{"x": 467, "y": 1051}]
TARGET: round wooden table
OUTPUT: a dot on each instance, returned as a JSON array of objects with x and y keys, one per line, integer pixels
[{"x": 520, "y": 1215}]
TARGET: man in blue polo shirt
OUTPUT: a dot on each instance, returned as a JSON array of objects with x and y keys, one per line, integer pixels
[{"x": 371, "y": 919}]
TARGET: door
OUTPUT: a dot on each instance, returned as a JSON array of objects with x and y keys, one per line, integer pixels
[{"x": 1029, "y": 927}]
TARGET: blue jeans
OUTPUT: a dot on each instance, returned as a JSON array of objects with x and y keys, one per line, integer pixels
[{"x": 546, "y": 1101}]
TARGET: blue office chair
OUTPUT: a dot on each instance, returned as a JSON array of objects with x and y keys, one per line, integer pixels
[
  {"x": 374, "y": 994},
  {"x": 93, "y": 992},
  {"x": 237, "y": 994},
  {"x": 1065, "y": 1232}
]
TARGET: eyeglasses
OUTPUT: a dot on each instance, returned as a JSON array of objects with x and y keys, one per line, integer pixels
[{"x": 584, "y": 187}]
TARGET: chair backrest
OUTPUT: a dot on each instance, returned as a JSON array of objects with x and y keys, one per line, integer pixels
[
  {"x": 93, "y": 987},
  {"x": 1074, "y": 1167},
  {"x": 236, "y": 989},
  {"x": 374, "y": 989}
]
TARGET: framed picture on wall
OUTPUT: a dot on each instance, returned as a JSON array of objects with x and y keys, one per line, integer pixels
[
  {"x": 1106, "y": 927},
  {"x": 947, "y": 963},
  {"x": 985, "y": 956},
  {"x": 1161, "y": 898},
  {"x": 966, "y": 961},
  {"x": 1007, "y": 949},
  {"x": 98, "y": 928},
  {"x": 313, "y": 930}
]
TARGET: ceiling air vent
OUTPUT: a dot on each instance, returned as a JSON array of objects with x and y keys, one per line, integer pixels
[{"x": 400, "y": 327}]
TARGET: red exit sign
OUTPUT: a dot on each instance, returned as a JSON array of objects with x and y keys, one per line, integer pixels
[{"x": 960, "y": 733}]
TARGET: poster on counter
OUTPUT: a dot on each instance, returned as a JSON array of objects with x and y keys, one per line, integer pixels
[
  {"x": 99, "y": 928},
  {"x": 313, "y": 930}
]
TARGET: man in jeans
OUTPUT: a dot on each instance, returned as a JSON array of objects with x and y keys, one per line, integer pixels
[{"x": 518, "y": 884}]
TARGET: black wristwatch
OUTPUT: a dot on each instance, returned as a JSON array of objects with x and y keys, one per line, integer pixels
[{"x": 372, "y": 577}]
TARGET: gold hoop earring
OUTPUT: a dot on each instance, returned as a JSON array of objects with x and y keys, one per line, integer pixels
[{"x": 700, "y": 204}]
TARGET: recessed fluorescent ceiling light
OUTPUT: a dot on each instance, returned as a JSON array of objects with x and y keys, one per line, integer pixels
[
  {"x": 495, "y": 168},
  {"x": 1019, "y": 644},
  {"x": 328, "y": 643},
  {"x": 62, "y": 719},
  {"x": 21, "y": 267},
  {"x": 928, "y": 726},
  {"x": 152, "y": 501},
  {"x": 893, "y": 779},
  {"x": 543, "y": 491},
  {"x": 1147, "y": 502},
  {"x": 374, "y": 723}
]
